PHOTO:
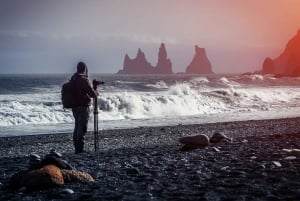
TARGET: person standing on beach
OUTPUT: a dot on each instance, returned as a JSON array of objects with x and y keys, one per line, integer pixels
[{"x": 84, "y": 92}]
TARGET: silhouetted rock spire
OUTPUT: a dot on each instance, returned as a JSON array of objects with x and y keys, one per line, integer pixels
[
  {"x": 164, "y": 65},
  {"x": 200, "y": 63}
]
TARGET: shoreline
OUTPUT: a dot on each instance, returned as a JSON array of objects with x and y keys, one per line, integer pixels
[
  {"x": 143, "y": 136},
  {"x": 145, "y": 164}
]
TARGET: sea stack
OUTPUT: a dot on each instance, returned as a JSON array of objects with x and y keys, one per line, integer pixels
[
  {"x": 140, "y": 65},
  {"x": 200, "y": 63},
  {"x": 288, "y": 63},
  {"x": 164, "y": 65}
]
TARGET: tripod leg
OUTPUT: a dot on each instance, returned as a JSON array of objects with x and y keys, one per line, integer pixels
[{"x": 96, "y": 129}]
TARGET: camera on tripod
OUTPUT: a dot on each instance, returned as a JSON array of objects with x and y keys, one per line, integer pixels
[{"x": 96, "y": 83}]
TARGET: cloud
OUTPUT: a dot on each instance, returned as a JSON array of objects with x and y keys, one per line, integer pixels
[{"x": 134, "y": 37}]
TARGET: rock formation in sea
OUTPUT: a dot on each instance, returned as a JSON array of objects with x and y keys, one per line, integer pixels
[
  {"x": 288, "y": 63},
  {"x": 164, "y": 65},
  {"x": 268, "y": 66},
  {"x": 140, "y": 65},
  {"x": 200, "y": 63}
]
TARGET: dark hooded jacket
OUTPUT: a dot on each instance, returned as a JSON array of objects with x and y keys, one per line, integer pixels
[{"x": 84, "y": 91}]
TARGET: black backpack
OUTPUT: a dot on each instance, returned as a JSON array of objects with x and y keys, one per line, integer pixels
[{"x": 68, "y": 94}]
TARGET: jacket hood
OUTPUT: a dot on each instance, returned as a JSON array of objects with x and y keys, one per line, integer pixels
[{"x": 82, "y": 68}]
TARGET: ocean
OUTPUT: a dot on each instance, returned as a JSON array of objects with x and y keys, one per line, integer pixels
[{"x": 31, "y": 104}]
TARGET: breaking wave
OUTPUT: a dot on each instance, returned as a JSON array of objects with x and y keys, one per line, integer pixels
[{"x": 189, "y": 97}]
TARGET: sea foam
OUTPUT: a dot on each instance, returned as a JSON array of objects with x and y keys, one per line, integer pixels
[{"x": 172, "y": 99}]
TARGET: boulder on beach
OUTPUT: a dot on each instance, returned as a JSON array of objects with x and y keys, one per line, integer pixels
[
  {"x": 52, "y": 171},
  {"x": 194, "y": 142},
  {"x": 217, "y": 137},
  {"x": 43, "y": 178},
  {"x": 76, "y": 176},
  {"x": 58, "y": 162}
]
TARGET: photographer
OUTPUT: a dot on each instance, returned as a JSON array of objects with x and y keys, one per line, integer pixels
[{"x": 84, "y": 92}]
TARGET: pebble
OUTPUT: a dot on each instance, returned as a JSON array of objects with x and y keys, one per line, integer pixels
[
  {"x": 22, "y": 189},
  {"x": 277, "y": 164},
  {"x": 290, "y": 158},
  {"x": 253, "y": 157},
  {"x": 217, "y": 137},
  {"x": 53, "y": 152},
  {"x": 287, "y": 150},
  {"x": 67, "y": 191},
  {"x": 225, "y": 168},
  {"x": 34, "y": 161},
  {"x": 35, "y": 156},
  {"x": 294, "y": 152},
  {"x": 244, "y": 141},
  {"x": 216, "y": 149},
  {"x": 132, "y": 171}
]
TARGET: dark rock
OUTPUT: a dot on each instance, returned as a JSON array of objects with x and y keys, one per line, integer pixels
[
  {"x": 188, "y": 147},
  {"x": 201, "y": 140},
  {"x": 43, "y": 178},
  {"x": 53, "y": 152},
  {"x": 34, "y": 161},
  {"x": 217, "y": 137},
  {"x": 194, "y": 142},
  {"x": 132, "y": 171},
  {"x": 200, "y": 63},
  {"x": 52, "y": 160},
  {"x": 76, "y": 176}
]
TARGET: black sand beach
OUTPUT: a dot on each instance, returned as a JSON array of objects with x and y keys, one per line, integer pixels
[{"x": 145, "y": 164}]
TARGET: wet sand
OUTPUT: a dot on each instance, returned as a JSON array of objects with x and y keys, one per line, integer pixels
[{"x": 145, "y": 164}]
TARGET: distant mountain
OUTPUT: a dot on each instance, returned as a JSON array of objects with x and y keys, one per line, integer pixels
[
  {"x": 200, "y": 63},
  {"x": 288, "y": 63},
  {"x": 140, "y": 65}
]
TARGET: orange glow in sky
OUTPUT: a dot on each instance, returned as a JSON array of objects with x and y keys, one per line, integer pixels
[{"x": 236, "y": 33}]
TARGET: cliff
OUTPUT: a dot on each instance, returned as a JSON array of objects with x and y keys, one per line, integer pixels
[
  {"x": 288, "y": 63},
  {"x": 200, "y": 63}
]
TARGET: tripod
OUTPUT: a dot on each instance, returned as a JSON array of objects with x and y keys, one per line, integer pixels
[{"x": 96, "y": 130}]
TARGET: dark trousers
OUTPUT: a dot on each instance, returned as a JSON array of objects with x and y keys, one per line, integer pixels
[{"x": 81, "y": 115}]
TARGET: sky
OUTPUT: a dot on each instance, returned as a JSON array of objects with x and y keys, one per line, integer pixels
[{"x": 40, "y": 36}]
